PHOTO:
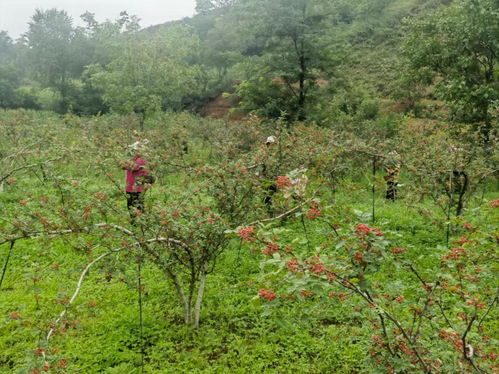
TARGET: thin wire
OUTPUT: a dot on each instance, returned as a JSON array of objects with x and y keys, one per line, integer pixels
[
  {"x": 6, "y": 263},
  {"x": 374, "y": 188},
  {"x": 305, "y": 230},
  {"x": 140, "y": 318}
]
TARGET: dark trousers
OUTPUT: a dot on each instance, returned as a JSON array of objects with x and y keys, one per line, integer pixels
[
  {"x": 134, "y": 201},
  {"x": 391, "y": 190},
  {"x": 270, "y": 190}
]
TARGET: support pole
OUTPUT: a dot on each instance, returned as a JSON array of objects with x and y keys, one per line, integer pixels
[
  {"x": 141, "y": 341},
  {"x": 374, "y": 190},
  {"x": 449, "y": 210},
  {"x": 6, "y": 263}
]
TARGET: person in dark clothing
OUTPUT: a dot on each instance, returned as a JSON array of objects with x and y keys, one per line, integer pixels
[
  {"x": 266, "y": 169},
  {"x": 268, "y": 173},
  {"x": 392, "y": 168}
]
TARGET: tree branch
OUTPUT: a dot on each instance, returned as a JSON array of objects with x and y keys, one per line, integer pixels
[
  {"x": 15, "y": 170},
  {"x": 279, "y": 216}
]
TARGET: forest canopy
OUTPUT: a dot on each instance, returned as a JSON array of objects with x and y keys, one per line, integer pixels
[{"x": 297, "y": 59}]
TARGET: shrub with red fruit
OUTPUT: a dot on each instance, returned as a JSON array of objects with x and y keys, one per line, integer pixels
[
  {"x": 406, "y": 300},
  {"x": 270, "y": 249},
  {"x": 411, "y": 310},
  {"x": 398, "y": 250},
  {"x": 267, "y": 294},
  {"x": 313, "y": 213},
  {"x": 363, "y": 230},
  {"x": 246, "y": 233},
  {"x": 283, "y": 182}
]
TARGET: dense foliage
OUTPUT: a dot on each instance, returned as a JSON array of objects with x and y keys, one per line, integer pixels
[
  {"x": 299, "y": 59},
  {"x": 341, "y": 217},
  {"x": 341, "y": 255}
]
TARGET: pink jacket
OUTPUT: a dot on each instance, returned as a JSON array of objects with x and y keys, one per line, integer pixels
[{"x": 137, "y": 170}]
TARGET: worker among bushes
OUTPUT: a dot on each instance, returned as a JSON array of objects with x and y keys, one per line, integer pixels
[
  {"x": 392, "y": 169},
  {"x": 137, "y": 177},
  {"x": 269, "y": 171}
]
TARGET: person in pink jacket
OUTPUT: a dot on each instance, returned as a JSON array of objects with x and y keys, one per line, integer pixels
[{"x": 135, "y": 171}]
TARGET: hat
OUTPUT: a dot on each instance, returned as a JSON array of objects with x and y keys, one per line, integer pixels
[
  {"x": 139, "y": 145},
  {"x": 271, "y": 139}
]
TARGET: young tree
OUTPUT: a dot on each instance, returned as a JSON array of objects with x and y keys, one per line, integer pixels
[
  {"x": 150, "y": 75},
  {"x": 447, "y": 169}
]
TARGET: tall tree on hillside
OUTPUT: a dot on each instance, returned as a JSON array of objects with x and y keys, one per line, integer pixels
[
  {"x": 12, "y": 75},
  {"x": 49, "y": 39},
  {"x": 105, "y": 40},
  {"x": 228, "y": 42},
  {"x": 296, "y": 45},
  {"x": 457, "y": 49},
  {"x": 6, "y": 47},
  {"x": 9, "y": 75}
]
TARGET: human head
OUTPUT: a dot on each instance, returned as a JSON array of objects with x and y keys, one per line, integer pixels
[
  {"x": 139, "y": 146},
  {"x": 271, "y": 140}
]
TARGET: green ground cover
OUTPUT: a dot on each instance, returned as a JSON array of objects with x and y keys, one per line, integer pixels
[{"x": 238, "y": 332}]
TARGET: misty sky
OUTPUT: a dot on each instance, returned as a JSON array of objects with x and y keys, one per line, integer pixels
[{"x": 15, "y": 14}]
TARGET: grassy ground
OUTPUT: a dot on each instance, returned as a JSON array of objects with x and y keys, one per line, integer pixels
[{"x": 236, "y": 335}]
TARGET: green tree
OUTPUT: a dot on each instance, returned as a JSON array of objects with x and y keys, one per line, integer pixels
[
  {"x": 296, "y": 44},
  {"x": 13, "y": 91},
  {"x": 104, "y": 41},
  {"x": 7, "y": 51},
  {"x": 150, "y": 75},
  {"x": 49, "y": 39},
  {"x": 456, "y": 48},
  {"x": 96, "y": 43},
  {"x": 9, "y": 74},
  {"x": 227, "y": 43},
  {"x": 9, "y": 82}
]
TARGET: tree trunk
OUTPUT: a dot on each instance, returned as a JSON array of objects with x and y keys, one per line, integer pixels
[
  {"x": 181, "y": 296},
  {"x": 192, "y": 311},
  {"x": 190, "y": 296},
  {"x": 461, "y": 187},
  {"x": 303, "y": 68},
  {"x": 142, "y": 119},
  {"x": 487, "y": 127},
  {"x": 199, "y": 299},
  {"x": 302, "y": 96},
  {"x": 63, "y": 90}
]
